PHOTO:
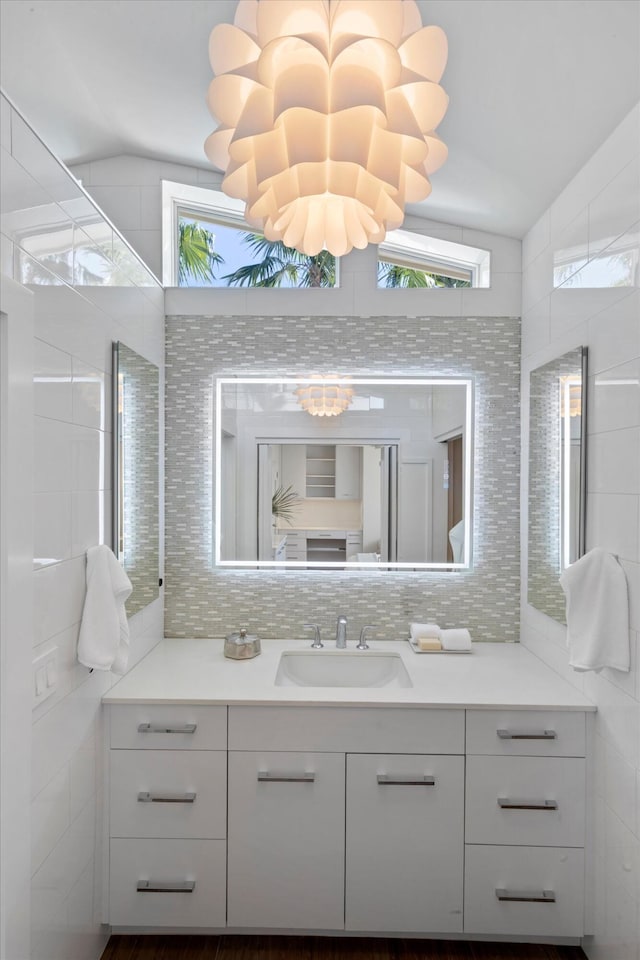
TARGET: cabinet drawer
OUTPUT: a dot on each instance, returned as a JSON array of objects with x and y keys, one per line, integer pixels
[
  {"x": 405, "y": 846},
  {"x": 158, "y": 727},
  {"x": 296, "y": 538},
  {"x": 527, "y": 733},
  {"x": 502, "y": 790},
  {"x": 286, "y": 840},
  {"x": 168, "y": 793},
  {"x": 524, "y": 872},
  {"x": 177, "y": 864},
  {"x": 347, "y": 729}
]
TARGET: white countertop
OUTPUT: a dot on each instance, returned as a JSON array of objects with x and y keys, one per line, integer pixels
[
  {"x": 492, "y": 676},
  {"x": 319, "y": 529}
]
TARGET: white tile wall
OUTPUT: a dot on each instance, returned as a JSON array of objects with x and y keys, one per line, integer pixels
[
  {"x": 74, "y": 330},
  {"x": 596, "y": 210}
]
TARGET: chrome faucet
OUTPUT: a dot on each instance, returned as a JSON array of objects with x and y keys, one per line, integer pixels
[
  {"x": 317, "y": 642},
  {"x": 341, "y": 632},
  {"x": 362, "y": 643}
]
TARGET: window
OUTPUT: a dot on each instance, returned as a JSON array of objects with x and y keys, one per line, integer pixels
[
  {"x": 410, "y": 259},
  {"x": 207, "y": 243}
]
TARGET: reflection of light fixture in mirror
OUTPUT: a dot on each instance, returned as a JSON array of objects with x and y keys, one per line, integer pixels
[
  {"x": 324, "y": 399},
  {"x": 327, "y": 114},
  {"x": 570, "y": 406},
  {"x": 570, "y": 396}
]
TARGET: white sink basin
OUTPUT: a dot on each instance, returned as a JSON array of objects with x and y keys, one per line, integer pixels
[{"x": 337, "y": 668}]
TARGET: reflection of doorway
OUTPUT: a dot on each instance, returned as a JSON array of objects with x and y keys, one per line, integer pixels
[{"x": 454, "y": 499}]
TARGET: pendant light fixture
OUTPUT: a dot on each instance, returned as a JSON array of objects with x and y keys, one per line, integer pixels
[{"x": 327, "y": 112}]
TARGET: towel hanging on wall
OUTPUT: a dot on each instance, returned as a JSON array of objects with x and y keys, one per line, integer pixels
[
  {"x": 104, "y": 632},
  {"x": 597, "y": 612}
]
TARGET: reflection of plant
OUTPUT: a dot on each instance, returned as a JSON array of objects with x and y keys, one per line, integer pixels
[{"x": 284, "y": 502}]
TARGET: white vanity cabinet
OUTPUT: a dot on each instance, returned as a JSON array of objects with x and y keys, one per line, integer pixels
[
  {"x": 405, "y": 814},
  {"x": 167, "y": 816},
  {"x": 525, "y": 823},
  {"x": 286, "y": 840},
  {"x": 370, "y": 819}
]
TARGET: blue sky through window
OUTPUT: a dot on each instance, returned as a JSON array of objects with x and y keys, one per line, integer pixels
[{"x": 230, "y": 243}]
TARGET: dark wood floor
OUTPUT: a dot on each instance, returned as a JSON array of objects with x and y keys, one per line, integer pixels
[{"x": 324, "y": 948}]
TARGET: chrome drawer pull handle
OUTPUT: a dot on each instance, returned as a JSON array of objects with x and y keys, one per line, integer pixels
[
  {"x": 507, "y": 804},
  {"x": 409, "y": 781},
  {"x": 146, "y": 797},
  {"x": 542, "y": 735},
  {"x": 526, "y": 896},
  {"x": 161, "y": 728},
  {"x": 152, "y": 886},
  {"x": 265, "y": 777}
]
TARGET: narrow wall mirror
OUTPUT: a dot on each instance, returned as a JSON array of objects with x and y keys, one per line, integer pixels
[
  {"x": 341, "y": 473},
  {"x": 557, "y": 477},
  {"x": 136, "y": 415}
]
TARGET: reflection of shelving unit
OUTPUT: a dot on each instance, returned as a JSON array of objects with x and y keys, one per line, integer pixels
[
  {"x": 321, "y": 470},
  {"x": 327, "y": 546}
]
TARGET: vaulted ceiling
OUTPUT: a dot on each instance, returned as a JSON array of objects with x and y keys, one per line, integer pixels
[{"x": 535, "y": 87}]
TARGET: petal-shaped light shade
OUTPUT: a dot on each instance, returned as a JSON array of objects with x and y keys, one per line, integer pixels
[
  {"x": 327, "y": 112},
  {"x": 324, "y": 400}
]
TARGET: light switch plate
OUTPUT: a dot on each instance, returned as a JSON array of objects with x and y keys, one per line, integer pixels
[{"x": 45, "y": 675}]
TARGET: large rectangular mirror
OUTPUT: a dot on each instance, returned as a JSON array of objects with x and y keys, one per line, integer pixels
[
  {"x": 337, "y": 473},
  {"x": 136, "y": 537},
  {"x": 557, "y": 477}
]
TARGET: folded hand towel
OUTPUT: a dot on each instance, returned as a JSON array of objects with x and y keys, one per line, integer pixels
[
  {"x": 427, "y": 630},
  {"x": 459, "y": 639},
  {"x": 104, "y": 632},
  {"x": 597, "y": 612}
]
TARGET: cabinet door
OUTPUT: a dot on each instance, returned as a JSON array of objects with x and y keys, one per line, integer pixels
[
  {"x": 405, "y": 843},
  {"x": 286, "y": 840},
  {"x": 294, "y": 467},
  {"x": 348, "y": 472}
]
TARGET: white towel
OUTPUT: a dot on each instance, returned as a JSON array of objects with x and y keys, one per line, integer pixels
[
  {"x": 456, "y": 539},
  {"x": 458, "y": 639},
  {"x": 429, "y": 631},
  {"x": 597, "y": 612},
  {"x": 104, "y": 632}
]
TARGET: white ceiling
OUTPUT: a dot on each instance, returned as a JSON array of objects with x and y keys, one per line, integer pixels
[{"x": 535, "y": 86}]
